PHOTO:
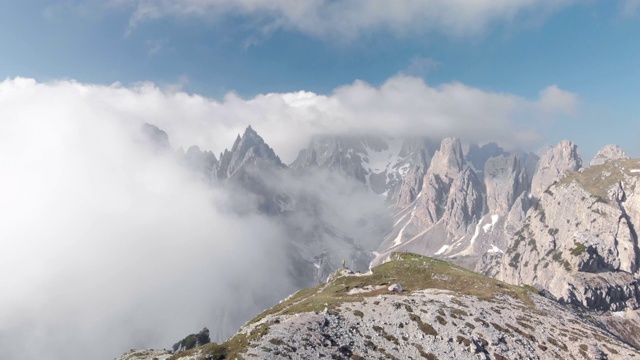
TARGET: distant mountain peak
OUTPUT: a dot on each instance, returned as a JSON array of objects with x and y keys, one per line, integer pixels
[
  {"x": 156, "y": 137},
  {"x": 250, "y": 148},
  {"x": 609, "y": 152}
]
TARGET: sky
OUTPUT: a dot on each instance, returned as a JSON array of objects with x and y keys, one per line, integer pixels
[
  {"x": 248, "y": 48},
  {"x": 104, "y": 244}
]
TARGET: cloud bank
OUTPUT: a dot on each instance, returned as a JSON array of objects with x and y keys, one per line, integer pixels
[
  {"x": 401, "y": 106},
  {"x": 351, "y": 19},
  {"x": 105, "y": 244}
]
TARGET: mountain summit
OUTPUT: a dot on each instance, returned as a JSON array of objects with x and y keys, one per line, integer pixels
[{"x": 250, "y": 149}]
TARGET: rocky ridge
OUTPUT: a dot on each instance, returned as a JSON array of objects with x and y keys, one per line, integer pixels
[
  {"x": 535, "y": 219},
  {"x": 443, "y": 312}
]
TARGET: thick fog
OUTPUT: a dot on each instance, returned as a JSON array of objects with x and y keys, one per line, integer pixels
[{"x": 108, "y": 244}]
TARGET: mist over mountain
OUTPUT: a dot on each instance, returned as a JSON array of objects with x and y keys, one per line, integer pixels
[{"x": 197, "y": 239}]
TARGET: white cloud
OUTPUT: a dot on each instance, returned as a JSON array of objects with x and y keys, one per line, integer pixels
[
  {"x": 556, "y": 100},
  {"x": 401, "y": 106},
  {"x": 421, "y": 66},
  {"x": 106, "y": 245},
  {"x": 349, "y": 19}
]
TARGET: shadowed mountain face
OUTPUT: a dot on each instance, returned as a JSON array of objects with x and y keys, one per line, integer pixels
[{"x": 541, "y": 220}]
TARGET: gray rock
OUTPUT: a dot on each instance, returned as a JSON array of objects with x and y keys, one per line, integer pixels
[
  {"x": 554, "y": 164},
  {"x": 609, "y": 152},
  {"x": 505, "y": 180}
]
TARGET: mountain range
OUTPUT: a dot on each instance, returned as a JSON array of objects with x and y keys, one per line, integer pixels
[{"x": 544, "y": 220}]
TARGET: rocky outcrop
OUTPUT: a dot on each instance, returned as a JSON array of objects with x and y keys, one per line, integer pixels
[
  {"x": 554, "y": 164},
  {"x": 579, "y": 241},
  {"x": 192, "y": 341},
  {"x": 609, "y": 152},
  {"x": 434, "y": 310}
]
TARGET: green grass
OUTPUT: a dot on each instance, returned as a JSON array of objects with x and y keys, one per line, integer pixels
[
  {"x": 600, "y": 178},
  {"x": 579, "y": 249}
]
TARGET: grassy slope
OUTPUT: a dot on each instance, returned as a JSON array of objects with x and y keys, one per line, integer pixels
[
  {"x": 600, "y": 178},
  {"x": 414, "y": 272}
]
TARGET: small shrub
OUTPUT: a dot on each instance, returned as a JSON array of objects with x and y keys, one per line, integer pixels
[
  {"x": 579, "y": 249},
  {"x": 426, "y": 328}
]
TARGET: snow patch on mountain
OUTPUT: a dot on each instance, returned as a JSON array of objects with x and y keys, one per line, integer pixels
[
  {"x": 442, "y": 250},
  {"x": 489, "y": 227},
  {"x": 378, "y": 161}
]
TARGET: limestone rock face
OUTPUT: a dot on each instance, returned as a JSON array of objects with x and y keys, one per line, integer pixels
[
  {"x": 445, "y": 166},
  {"x": 448, "y": 161},
  {"x": 464, "y": 204},
  {"x": 579, "y": 242},
  {"x": 609, "y": 152},
  {"x": 553, "y": 164},
  {"x": 416, "y": 157},
  {"x": 505, "y": 179}
]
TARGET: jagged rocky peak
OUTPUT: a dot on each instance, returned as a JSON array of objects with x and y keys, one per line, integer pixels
[
  {"x": 449, "y": 160},
  {"x": 447, "y": 163},
  {"x": 609, "y": 152},
  {"x": 324, "y": 149},
  {"x": 343, "y": 153},
  {"x": 465, "y": 203},
  {"x": 156, "y": 137},
  {"x": 505, "y": 178},
  {"x": 554, "y": 164},
  {"x": 249, "y": 148}
]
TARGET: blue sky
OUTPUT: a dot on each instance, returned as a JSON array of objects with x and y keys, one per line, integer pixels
[{"x": 209, "y": 47}]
